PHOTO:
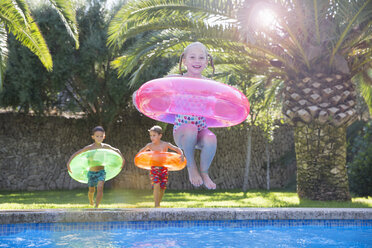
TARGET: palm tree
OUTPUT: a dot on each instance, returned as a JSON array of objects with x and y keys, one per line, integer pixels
[
  {"x": 316, "y": 52},
  {"x": 16, "y": 18}
]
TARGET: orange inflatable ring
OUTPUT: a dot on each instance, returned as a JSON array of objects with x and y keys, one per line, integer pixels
[{"x": 170, "y": 160}]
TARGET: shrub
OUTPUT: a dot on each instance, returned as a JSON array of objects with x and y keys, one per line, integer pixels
[{"x": 360, "y": 168}]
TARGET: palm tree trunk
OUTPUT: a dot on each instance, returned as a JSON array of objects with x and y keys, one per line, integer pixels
[
  {"x": 267, "y": 164},
  {"x": 321, "y": 162},
  {"x": 248, "y": 159}
]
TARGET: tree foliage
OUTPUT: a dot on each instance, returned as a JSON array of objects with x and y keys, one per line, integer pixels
[
  {"x": 307, "y": 55},
  {"x": 16, "y": 18},
  {"x": 360, "y": 168},
  {"x": 82, "y": 80},
  {"x": 305, "y": 36},
  {"x": 28, "y": 85}
]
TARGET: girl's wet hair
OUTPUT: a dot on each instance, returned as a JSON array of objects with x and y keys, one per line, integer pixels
[
  {"x": 206, "y": 52},
  {"x": 98, "y": 128}
]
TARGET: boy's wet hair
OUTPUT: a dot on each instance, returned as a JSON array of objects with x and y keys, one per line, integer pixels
[
  {"x": 98, "y": 128},
  {"x": 157, "y": 129},
  {"x": 197, "y": 43}
]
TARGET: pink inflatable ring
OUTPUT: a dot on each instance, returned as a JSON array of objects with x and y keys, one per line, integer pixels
[{"x": 161, "y": 99}]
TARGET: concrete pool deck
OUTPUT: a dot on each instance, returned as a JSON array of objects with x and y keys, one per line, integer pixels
[{"x": 170, "y": 214}]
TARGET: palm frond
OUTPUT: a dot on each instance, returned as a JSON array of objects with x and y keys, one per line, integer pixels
[
  {"x": 257, "y": 83},
  {"x": 271, "y": 92},
  {"x": 139, "y": 17},
  {"x": 359, "y": 37},
  {"x": 361, "y": 10},
  {"x": 360, "y": 64},
  {"x": 297, "y": 44},
  {"x": 364, "y": 81},
  {"x": 316, "y": 19},
  {"x": 172, "y": 43},
  {"x": 3, "y": 53},
  {"x": 66, "y": 11},
  {"x": 144, "y": 48},
  {"x": 187, "y": 30},
  {"x": 217, "y": 39},
  {"x": 301, "y": 17},
  {"x": 282, "y": 32},
  {"x": 300, "y": 41},
  {"x": 181, "y": 23},
  {"x": 25, "y": 30},
  {"x": 136, "y": 12},
  {"x": 16, "y": 12}
]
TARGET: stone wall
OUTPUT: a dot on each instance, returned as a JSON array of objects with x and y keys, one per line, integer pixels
[{"x": 34, "y": 151}]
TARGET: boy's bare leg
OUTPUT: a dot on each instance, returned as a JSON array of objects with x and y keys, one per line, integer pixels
[
  {"x": 161, "y": 194},
  {"x": 91, "y": 195},
  {"x": 157, "y": 194},
  {"x": 99, "y": 193},
  {"x": 186, "y": 138}
]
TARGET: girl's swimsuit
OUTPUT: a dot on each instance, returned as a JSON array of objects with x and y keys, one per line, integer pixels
[{"x": 198, "y": 121}]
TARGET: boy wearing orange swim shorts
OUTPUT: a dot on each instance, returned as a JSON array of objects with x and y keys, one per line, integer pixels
[{"x": 159, "y": 174}]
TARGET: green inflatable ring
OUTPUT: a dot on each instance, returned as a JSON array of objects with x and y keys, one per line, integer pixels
[{"x": 80, "y": 164}]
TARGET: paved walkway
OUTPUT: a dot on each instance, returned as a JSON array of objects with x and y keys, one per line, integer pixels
[{"x": 168, "y": 214}]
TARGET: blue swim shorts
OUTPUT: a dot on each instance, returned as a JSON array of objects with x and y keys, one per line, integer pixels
[{"x": 95, "y": 176}]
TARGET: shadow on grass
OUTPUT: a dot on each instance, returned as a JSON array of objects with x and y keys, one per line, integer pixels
[
  {"x": 258, "y": 198},
  {"x": 355, "y": 203},
  {"x": 175, "y": 198},
  {"x": 232, "y": 198},
  {"x": 79, "y": 196}
]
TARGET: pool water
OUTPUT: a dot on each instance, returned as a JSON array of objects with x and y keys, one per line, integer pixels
[{"x": 245, "y": 233}]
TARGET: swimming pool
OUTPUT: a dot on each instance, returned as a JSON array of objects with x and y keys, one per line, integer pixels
[{"x": 233, "y": 233}]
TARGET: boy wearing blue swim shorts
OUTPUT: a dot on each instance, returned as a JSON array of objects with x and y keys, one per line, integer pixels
[
  {"x": 159, "y": 174},
  {"x": 96, "y": 174}
]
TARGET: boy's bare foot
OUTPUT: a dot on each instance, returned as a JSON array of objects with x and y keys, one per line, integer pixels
[
  {"x": 194, "y": 176},
  {"x": 208, "y": 181},
  {"x": 91, "y": 202}
]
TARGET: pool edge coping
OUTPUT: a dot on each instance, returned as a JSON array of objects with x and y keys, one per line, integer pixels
[{"x": 179, "y": 214}]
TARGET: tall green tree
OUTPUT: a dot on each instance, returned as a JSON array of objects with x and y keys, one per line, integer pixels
[
  {"x": 93, "y": 84},
  {"x": 28, "y": 85},
  {"x": 360, "y": 165},
  {"x": 16, "y": 18},
  {"x": 318, "y": 52},
  {"x": 82, "y": 80}
]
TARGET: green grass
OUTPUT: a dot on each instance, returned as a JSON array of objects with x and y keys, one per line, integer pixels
[{"x": 173, "y": 199}]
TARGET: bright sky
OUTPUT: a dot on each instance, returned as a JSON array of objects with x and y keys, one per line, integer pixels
[{"x": 109, "y": 3}]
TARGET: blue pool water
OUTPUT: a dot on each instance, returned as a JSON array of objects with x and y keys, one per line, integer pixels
[{"x": 245, "y": 233}]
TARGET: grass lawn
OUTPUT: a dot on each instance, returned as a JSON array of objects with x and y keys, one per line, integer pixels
[{"x": 173, "y": 199}]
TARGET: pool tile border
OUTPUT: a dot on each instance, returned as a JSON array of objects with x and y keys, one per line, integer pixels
[
  {"x": 14, "y": 229},
  {"x": 175, "y": 214}
]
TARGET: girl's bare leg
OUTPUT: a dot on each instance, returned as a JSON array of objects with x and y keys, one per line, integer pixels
[
  {"x": 207, "y": 142},
  {"x": 99, "y": 193},
  {"x": 185, "y": 137}
]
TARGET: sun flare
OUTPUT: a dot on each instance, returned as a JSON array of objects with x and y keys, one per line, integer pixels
[{"x": 266, "y": 18}]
